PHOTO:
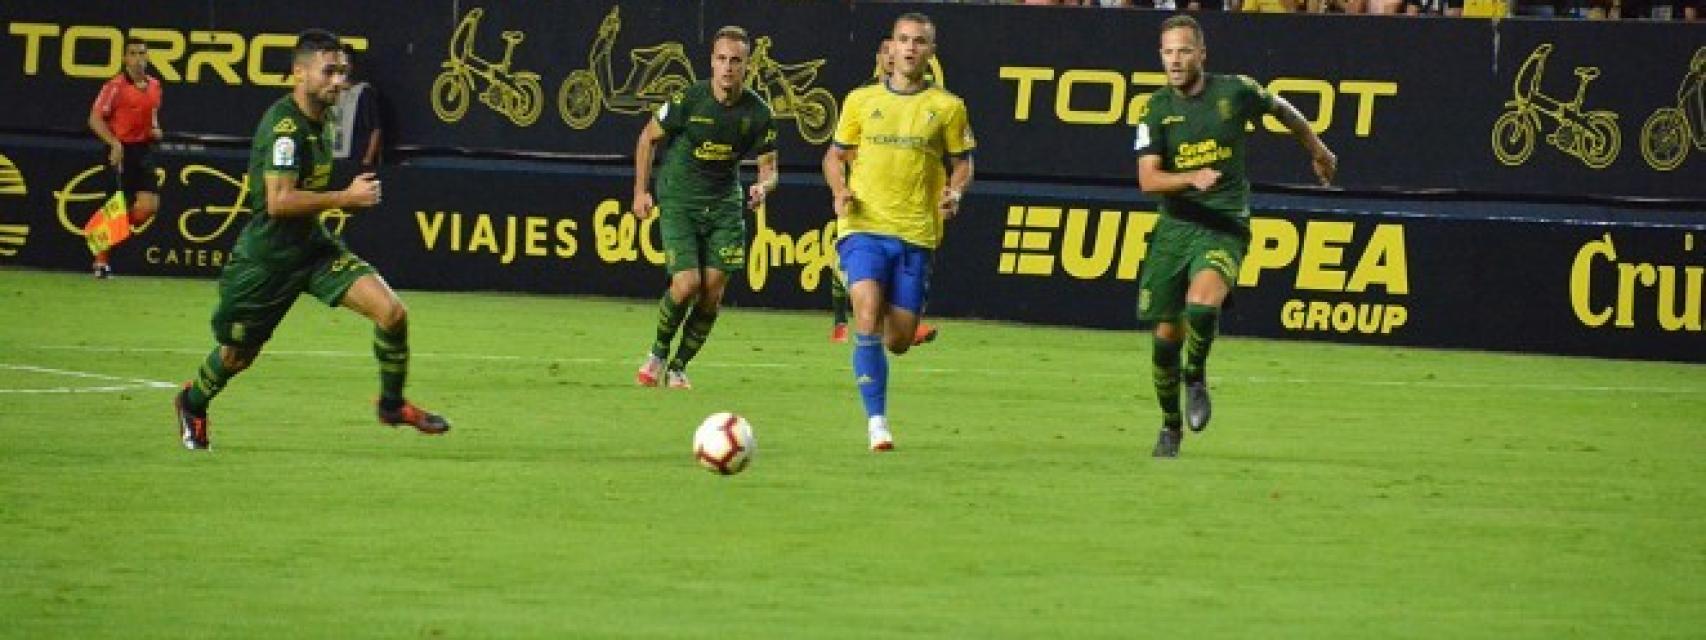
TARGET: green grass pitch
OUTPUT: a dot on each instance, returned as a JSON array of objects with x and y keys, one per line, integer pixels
[{"x": 1349, "y": 492}]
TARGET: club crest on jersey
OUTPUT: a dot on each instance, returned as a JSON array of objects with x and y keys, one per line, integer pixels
[
  {"x": 285, "y": 127},
  {"x": 1225, "y": 107},
  {"x": 876, "y": 114}
]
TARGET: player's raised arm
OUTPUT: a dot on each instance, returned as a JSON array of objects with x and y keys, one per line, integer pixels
[
  {"x": 1325, "y": 163},
  {"x": 644, "y": 149}
]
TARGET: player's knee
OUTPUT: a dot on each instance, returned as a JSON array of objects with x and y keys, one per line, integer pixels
[
  {"x": 393, "y": 317},
  {"x": 1168, "y": 331},
  {"x": 684, "y": 286}
]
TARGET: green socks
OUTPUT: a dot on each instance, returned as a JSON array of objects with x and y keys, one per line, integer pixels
[
  {"x": 838, "y": 298},
  {"x": 1165, "y": 356},
  {"x": 391, "y": 348},
  {"x": 209, "y": 381},
  {"x": 1201, "y": 323},
  {"x": 693, "y": 335},
  {"x": 670, "y": 314}
]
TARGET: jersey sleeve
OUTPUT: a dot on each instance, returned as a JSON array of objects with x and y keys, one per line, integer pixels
[
  {"x": 104, "y": 100},
  {"x": 765, "y": 133},
  {"x": 1256, "y": 99},
  {"x": 283, "y": 146},
  {"x": 1151, "y": 138},
  {"x": 672, "y": 115},
  {"x": 851, "y": 125},
  {"x": 959, "y": 140}
]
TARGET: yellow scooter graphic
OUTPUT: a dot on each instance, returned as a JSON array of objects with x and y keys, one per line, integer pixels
[
  {"x": 658, "y": 72},
  {"x": 1591, "y": 137},
  {"x": 1667, "y": 135},
  {"x": 784, "y": 86},
  {"x": 515, "y": 94}
]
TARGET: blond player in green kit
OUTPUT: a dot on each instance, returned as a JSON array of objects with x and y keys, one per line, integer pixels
[{"x": 705, "y": 131}]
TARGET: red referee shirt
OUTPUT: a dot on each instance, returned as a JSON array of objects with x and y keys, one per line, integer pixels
[{"x": 127, "y": 110}]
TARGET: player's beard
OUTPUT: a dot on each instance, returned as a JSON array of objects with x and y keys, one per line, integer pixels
[{"x": 327, "y": 97}]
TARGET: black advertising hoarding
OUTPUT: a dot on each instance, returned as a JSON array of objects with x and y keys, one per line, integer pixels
[
  {"x": 1021, "y": 253},
  {"x": 1513, "y": 107}
]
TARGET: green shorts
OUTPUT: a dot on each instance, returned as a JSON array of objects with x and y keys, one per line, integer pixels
[
  {"x": 1179, "y": 250},
  {"x": 712, "y": 237},
  {"x": 253, "y": 296}
]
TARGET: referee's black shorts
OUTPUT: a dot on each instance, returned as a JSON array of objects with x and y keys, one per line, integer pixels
[{"x": 138, "y": 174}]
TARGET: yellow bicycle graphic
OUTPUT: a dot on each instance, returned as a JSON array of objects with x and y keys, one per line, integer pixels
[
  {"x": 1670, "y": 131},
  {"x": 657, "y": 72},
  {"x": 12, "y": 236},
  {"x": 515, "y": 94},
  {"x": 1591, "y": 137},
  {"x": 785, "y": 87}
]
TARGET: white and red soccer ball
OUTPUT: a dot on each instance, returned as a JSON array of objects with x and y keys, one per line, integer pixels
[{"x": 723, "y": 443}]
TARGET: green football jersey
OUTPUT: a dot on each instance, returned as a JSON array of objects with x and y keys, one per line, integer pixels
[
  {"x": 1207, "y": 130},
  {"x": 286, "y": 143},
  {"x": 704, "y": 143}
]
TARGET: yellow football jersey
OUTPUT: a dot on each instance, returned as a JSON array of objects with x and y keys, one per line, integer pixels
[{"x": 898, "y": 173}]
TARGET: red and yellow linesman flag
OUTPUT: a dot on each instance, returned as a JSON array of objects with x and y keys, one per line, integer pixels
[{"x": 109, "y": 226}]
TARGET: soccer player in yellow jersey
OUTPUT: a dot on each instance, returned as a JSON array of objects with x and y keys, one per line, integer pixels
[{"x": 898, "y": 140}]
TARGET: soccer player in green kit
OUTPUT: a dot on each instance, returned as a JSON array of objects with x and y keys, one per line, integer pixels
[
  {"x": 1190, "y": 153},
  {"x": 706, "y": 130},
  {"x": 285, "y": 251}
]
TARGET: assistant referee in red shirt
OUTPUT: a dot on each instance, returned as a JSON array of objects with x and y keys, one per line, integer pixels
[{"x": 126, "y": 116}]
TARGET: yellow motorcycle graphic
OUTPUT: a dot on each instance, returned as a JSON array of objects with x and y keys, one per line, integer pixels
[
  {"x": 1670, "y": 131},
  {"x": 515, "y": 94},
  {"x": 657, "y": 72},
  {"x": 1591, "y": 137},
  {"x": 784, "y": 86}
]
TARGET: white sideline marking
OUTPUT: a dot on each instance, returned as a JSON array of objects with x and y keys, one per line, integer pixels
[
  {"x": 1417, "y": 384},
  {"x": 134, "y": 383}
]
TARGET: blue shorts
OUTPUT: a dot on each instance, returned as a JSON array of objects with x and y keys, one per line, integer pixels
[{"x": 901, "y": 269}]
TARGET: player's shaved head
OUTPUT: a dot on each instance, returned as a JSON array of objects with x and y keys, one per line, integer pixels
[{"x": 313, "y": 42}]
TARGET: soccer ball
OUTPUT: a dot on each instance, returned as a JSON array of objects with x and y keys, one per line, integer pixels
[{"x": 723, "y": 443}]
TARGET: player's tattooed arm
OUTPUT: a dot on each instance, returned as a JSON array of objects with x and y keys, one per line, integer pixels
[{"x": 1321, "y": 159}]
